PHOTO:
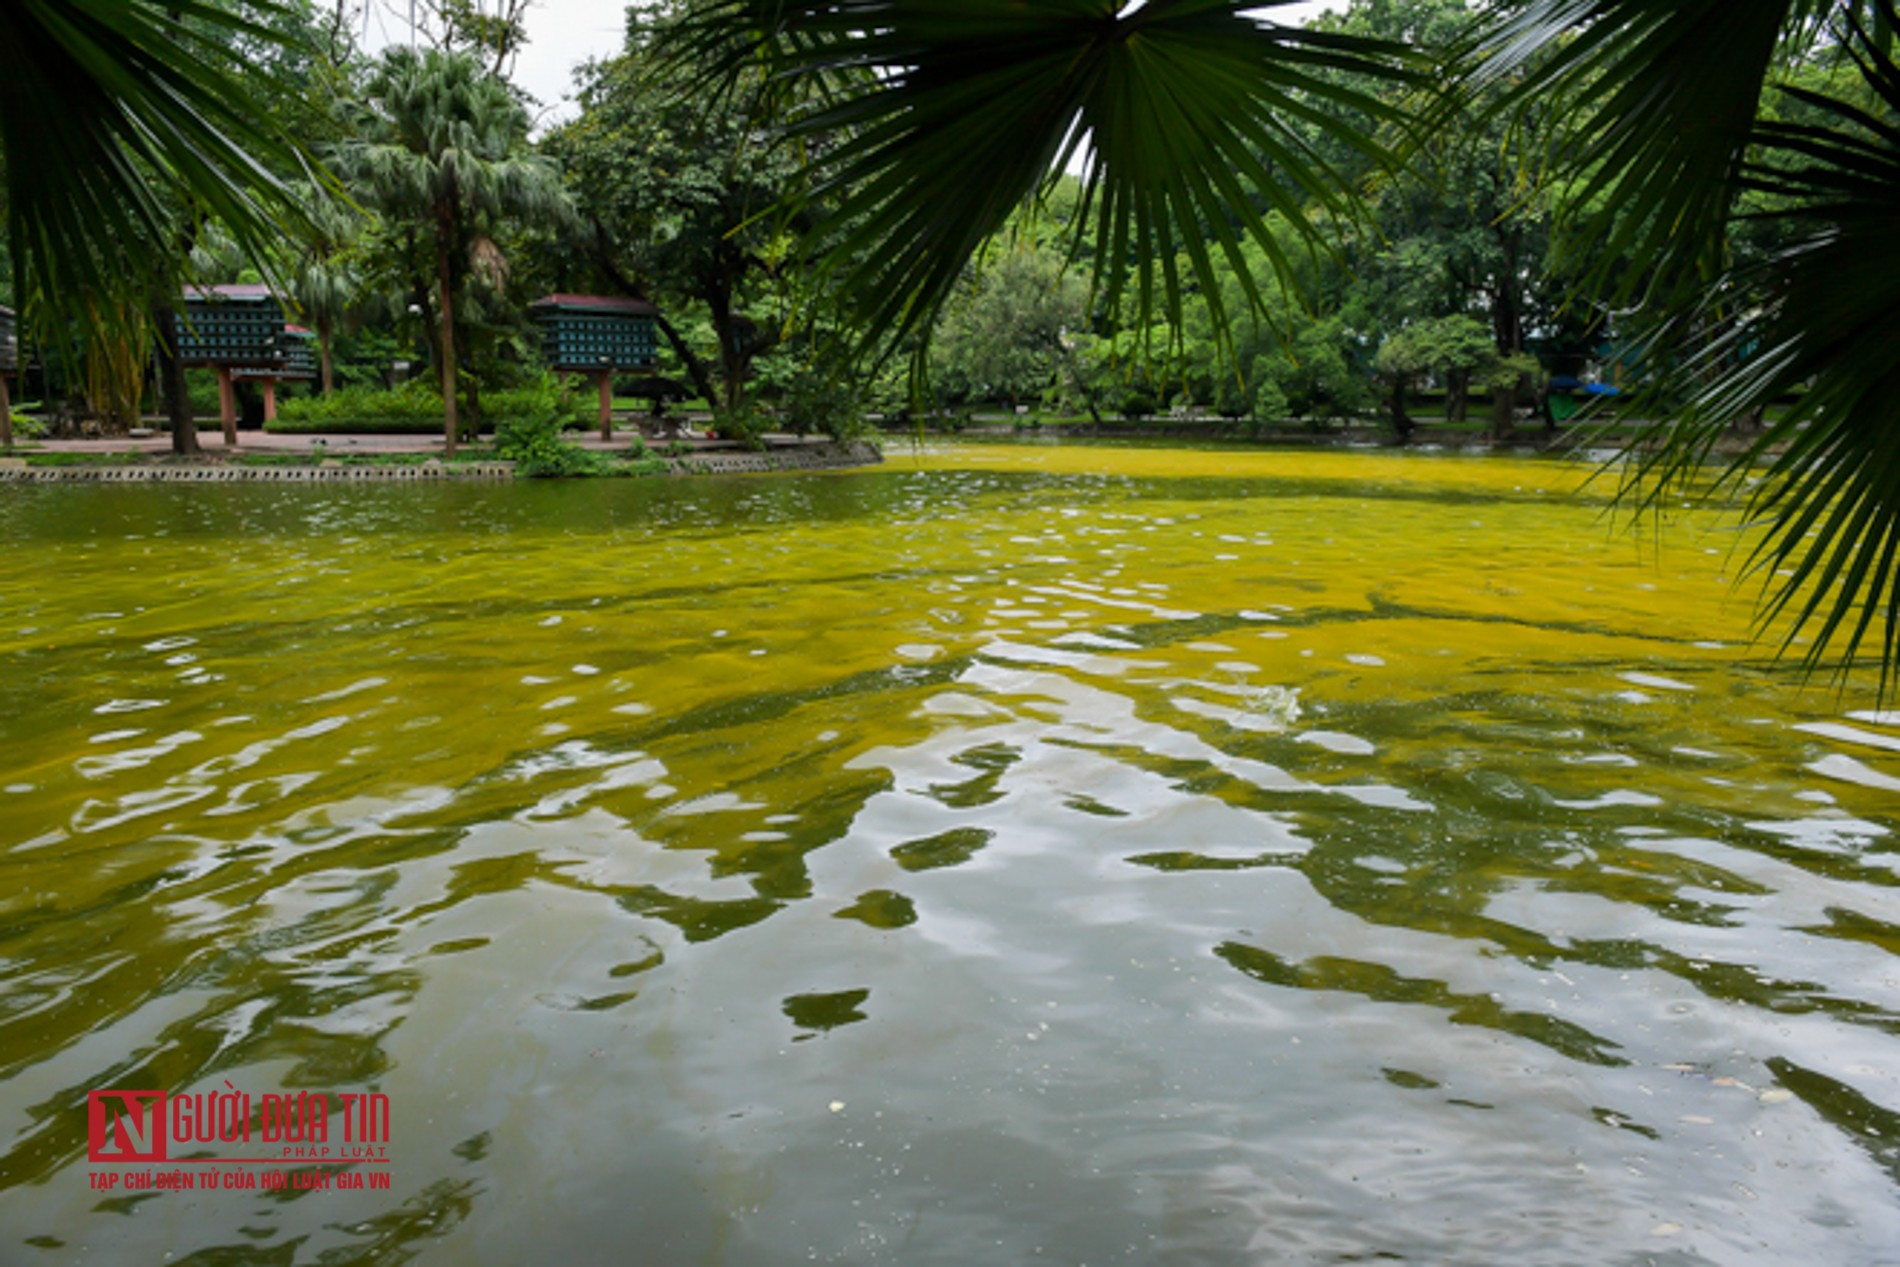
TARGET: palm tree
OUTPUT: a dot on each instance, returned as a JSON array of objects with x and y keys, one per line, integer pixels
[
  {"x": 446, "y": 147},
  {"x": 324, "y": 279},
  {"x": 122, "y": 127},
  {"x": 1189, "y": 116}
]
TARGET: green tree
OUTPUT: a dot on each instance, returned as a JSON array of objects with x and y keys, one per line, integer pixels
[
  {"x": 1189, "y": 118},
  {"x": 1465, "y": 227},
  {"x": 444, "y": 151},
  {"x": 326, "y": 277},
  {"x": 680, "y": 185},
  {"x": 468, "y": 26},
  {"x": 1008, "y": 336},
  {"x": 1455, "y": 344},
  {"x": 1303, "y": 356}
]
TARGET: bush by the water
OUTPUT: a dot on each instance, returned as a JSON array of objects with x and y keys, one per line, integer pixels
[
  {"x": 830, "y": 404},
  {"x": 531, "y": 436}
]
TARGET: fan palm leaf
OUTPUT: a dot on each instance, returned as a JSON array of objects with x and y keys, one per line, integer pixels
[
  {"x": 1821, "y": 335},
  {"x": 1663, "y": 97},
  {"x": 115, "y": 115},
  {"x": 1192, "y": 121}
]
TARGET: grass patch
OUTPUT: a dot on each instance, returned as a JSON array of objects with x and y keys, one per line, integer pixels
[
  {"x": 390, "y": 459},
  {"x": 85, "y": 459},
  {"x": 274, "y": 459}
]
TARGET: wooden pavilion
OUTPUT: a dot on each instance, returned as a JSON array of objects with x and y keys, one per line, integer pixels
[
  {"x": 240, "y": 332},
  {"x": 299, "y": 365},
  {"x": 598, "y": 335}
]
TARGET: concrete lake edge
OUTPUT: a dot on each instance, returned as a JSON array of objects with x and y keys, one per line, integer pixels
[{"x": 214, "y": 470}]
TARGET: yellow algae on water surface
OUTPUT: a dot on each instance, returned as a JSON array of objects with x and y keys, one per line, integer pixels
[{"x": 1186, "y": 850}]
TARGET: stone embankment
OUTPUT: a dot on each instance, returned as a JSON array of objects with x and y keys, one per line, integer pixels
[{"x": 809, "y": 457}]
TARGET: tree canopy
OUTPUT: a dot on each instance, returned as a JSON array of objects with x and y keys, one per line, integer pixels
[{"x": 684, "y": 194}]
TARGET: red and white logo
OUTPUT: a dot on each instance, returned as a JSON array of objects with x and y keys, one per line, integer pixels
[{"x": 125, "y": 1126}]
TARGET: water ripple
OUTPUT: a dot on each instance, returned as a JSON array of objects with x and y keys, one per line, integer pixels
[{"x": 1253, "y": 861}]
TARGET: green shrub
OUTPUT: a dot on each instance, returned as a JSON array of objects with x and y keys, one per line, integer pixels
[
  {"x": 829, "y": 403},
  {"x": 537, "y": 449},
  {"x": 747, "y": 424},
  {"x": 531, "y": 437},
  {"x": 411, "y": 409},
  {"x": 523, "y": 402},
  {"x": 1268, "y": 408},
  {"x": 1519, "y": 372},
  {"x": 27, "y": 428},
  {"x": 202, "y": 387},
  {"x": 415, "y": 408},
  {"x": 1137, "y": 402}
]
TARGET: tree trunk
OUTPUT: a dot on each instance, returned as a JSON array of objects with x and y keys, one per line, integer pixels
[
  {"x": 741, "y": 342},
  {"x": 1067, "y": 358},
  {"x": 447, "y": 355},
  {"x": 604, "y": 381},
  {"x": 171, "y": 378},
  {"x": 695, "y": 367},
  {"x": 1507, "y": 321},
  {"x": 228, "y": 406},
  {"x": 1402, "y": 423},
  {"x": 1503, "y": 411},
  {"x": 1458, "y": 395},
  {"x": 6, "y": 414},
  {"x": 731, "y": 356},
  {"x": 1507, "y": 327}
]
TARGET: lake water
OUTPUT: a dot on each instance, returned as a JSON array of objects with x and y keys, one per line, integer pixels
[{"x": 1006, "y": 855}]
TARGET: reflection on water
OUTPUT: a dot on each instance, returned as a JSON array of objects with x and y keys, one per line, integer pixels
[{"x": 1007, "y": 855}]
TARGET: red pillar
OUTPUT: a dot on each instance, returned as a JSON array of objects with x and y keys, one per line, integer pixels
[
  {"x": 605, "y": 379},
  {"x": 227, "y": 406},
  {"x": 270, "y": 399}
]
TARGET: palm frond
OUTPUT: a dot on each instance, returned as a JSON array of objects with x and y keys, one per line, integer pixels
[
  {"x": 1820, "y": 340},
  {"x": 1665, "y": 96},
  {"x": 444, "y": 128},
  {"x": 1192, "y": 120},
  {"x": 115, "y": 117}
]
